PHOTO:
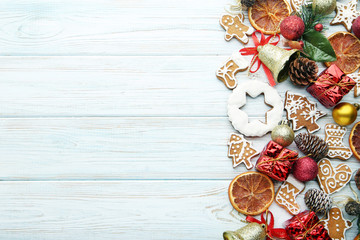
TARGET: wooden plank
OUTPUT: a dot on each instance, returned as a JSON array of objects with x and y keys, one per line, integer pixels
[
  {"x": 122, "y": 86},
  {"x": 120, "y": 148},
  {"x": 123, "y": 210}
]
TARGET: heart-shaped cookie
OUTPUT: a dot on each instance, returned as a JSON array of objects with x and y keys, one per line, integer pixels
[{"x": 333, "y": 179}]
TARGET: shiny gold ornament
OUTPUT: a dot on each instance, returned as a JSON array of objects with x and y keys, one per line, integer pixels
[
  {"x": 252, "y": 231},
  {"x": 283, "y": 134},
  {"x": 345, "y": 113},
  {"x": 323, "y": 7},
  {"x": 277, "y": 60}
]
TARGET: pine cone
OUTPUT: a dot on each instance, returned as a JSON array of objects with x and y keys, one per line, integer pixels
[
  {"x": 357, "y": 179},
  {"x": 317, "y": 200},
  {"x": 248, "y": 3},
  {"x": 302, "y": 71},
  {"x": 352, "y": 208},
  {"x": 311, "y": 144}
]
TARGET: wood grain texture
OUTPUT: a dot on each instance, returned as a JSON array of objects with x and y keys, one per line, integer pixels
[{"x": 107, "y": 210}]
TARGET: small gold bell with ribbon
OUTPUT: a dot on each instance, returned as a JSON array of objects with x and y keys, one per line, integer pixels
[
  {"x": 277, "y": 60},
  {"x": 252, "y": 231}
]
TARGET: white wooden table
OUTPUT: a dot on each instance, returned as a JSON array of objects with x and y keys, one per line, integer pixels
[{"x": 113, "y": 124}]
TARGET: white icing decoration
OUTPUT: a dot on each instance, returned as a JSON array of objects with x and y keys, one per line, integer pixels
[
  {"x": 356, "y": 77},
  {"x": 334, "y": 135},
  {"x": 240, "y": 155},
  {"x": 285, "y": 196},
  {"x": 337, "y": 219},
  {"x": 226, "y": 21},
  {"x": 240, "y": 119},
  {"x": 346, "y": 14}
]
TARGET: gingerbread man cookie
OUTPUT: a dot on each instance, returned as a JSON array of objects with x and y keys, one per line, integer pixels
[
  {"x": 226, "y": 73},
  {"x": 235, "y": 27},
  {"x": 287, "y": 193},
  {"x": 333, "y": 179},
  {"x": 336, "y": 224},
  {"x": 240, "y": 119},
  {"x": 346, "y": 14},
  {"x": 241, "y": 151},
  {"x": 302, "y": 112},
  {"x": 334, "y": 135},
  {"x": 356, "y": 77}
]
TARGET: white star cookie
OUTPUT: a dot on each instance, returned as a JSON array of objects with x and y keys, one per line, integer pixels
[{"x": 346, "y": 14}]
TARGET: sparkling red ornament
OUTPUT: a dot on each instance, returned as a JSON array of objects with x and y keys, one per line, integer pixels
[
  {"x": 305, "y": 169},
  {"x": 318, "y": 27},
  {"x": 292, "y": 27}
]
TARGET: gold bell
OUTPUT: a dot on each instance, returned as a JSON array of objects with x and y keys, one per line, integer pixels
[
  {"x": 277, "y": 60},
  {"x": 252, "y": 231}
]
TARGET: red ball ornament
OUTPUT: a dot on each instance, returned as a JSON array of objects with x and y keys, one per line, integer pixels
[
  {"x": 301, "y": 43},
  {"x": 356, "y": 27},
  {"x": 318, "y": 27},
  {"x": 292, "y": 27},
  {"x": 305, "y": 169}
]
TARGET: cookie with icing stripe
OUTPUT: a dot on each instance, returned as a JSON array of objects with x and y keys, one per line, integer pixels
[{"x": 287, "y": 193}]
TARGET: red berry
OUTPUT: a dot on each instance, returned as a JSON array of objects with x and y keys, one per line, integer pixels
[
  {"x": 356, "y": 27},
  {"x": 292, "y": 27},
  {"x": 301, "y": 43},
  {"x": 305, "y": 169},
  {"x": 318, "y": 27}
]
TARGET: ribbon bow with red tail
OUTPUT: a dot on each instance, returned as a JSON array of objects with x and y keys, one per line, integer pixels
[
  {"x": 271, "y": 232},
  {"x": 254, "y": 51}
]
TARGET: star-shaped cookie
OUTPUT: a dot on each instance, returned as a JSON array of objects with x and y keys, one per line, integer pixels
[
  {"x": 356, "y": 77},
  {"x": 241, "y": 151},
  {"x": 346, "y": 14}
]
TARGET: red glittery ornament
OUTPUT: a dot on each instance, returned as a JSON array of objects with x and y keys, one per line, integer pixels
[
  {"x": 318, "y": 27},
  {"x": 305, "y": 169},
  {"x": 292, "y": 27}
]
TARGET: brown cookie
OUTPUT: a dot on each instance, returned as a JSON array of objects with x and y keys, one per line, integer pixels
[
  {"x": 336, "y": 224},
  {"x": 234, "y": 27},
  {"x": 302, "y": 112},
  {"x": 334, "y": 135},
  {"x": 287, "y": 193},
  {"x": 333, "y": 179},
  {"x": 356, "y": 77},
  {"x": 226, "y": 73},
  {"x": 241, "y": 151}
]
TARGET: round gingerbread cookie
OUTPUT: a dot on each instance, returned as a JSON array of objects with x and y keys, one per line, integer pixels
[{"x": 240, "y": 119}]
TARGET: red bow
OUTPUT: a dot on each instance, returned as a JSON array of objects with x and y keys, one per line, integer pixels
[
  {"x": 253, "y": 51},
  {"x": 271, "y": 232}
]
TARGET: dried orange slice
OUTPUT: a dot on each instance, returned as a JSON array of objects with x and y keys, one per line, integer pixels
[
  {"x": 251, "y": 193},
  {"x": 354, "y": 140},
  {"x": 347, "y": 50},
  {"x": 266, "y": 15}
]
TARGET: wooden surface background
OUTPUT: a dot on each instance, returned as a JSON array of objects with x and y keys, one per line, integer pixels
[{"x": 113, "y": 124}]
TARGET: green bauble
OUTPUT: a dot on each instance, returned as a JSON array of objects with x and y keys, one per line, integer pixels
[{"x": 323, "y": 7}]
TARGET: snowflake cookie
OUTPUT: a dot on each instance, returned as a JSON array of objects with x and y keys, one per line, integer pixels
[
  {"x": 346, "y": 14},
  {"x": 302, "y": 112},
  {"x": 241, "y": 151},
  {"x": 240, "y": 119}
]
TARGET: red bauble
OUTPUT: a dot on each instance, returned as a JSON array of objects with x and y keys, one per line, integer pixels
[
  {"x": 305, "y": 169},
  {"x": 356, "y": 27},
  {"x": 318, "y": 27},
  {"x": 292, "y": 27}
]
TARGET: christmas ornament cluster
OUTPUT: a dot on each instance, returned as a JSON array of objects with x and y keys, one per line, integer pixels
[{"x": 299, "y": 27}]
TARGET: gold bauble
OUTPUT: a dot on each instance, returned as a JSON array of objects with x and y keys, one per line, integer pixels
[
  {"x": 282, "y": 134},
  {"x": 323, "y": 7},
  {"x": 344, "y": 113}
]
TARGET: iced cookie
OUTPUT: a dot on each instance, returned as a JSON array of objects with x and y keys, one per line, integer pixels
[
  {"x": 356, "y": 77},
  {"x": 226, "y": 73},
  {"x": 241, "y": 151},
  {"x": 334, "y": 135},
  {"x": 235, "y": 27},
  {"x": 302, "y": 112},
  {"x": 333, "y": 179},
  {"x": 346, "y": 14},
  {"x": 336, "y": 224}
]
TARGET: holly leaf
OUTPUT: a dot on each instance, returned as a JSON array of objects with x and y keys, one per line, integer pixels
[{"x": 318, "y": 47}]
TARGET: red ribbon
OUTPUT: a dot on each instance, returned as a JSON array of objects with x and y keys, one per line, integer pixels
[
  {"x": 271, "y": 232},
  {"x": 253, "y": 51}
]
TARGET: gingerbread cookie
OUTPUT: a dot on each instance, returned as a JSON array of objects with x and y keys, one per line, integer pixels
[
  {"x": 226, "y": 73},
  {"x": 333, "y": 179},
  {"x": 296, "y": 4},
  {"x": 235, "y": 27},
  {"x": 287, "y": 193},
  {"x": 240, "y": 119},
  {"x": 346, "y": 14},
  {"x": 336, "y": 224},
  {"x": 356, "y": 77},
  {"x": 241, "y": 151},
  {"x": 302, "y": 112},
  {"x": 334, "y": 135}
]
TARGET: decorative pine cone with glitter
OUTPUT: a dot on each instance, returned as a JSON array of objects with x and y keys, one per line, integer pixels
[
  {"x": 248, "y": 3},
  {"x": 317, "y": 200},
  {"x": 303, "y": 71},
  {"x": 312, "y": 145},
  {"x": 352, "y": 208}
]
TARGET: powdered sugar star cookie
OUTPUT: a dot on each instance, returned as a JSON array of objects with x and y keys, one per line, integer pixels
[
  {"x": 241, "y": 151},
  {"x": 226, "y": 73},
  {"x": 334, "y": 135},
  {"x": 336, "y": 224},
  {"x": 356, "y": 77},
  {"x": 240, "y": 119},
  {"x": 235, "y": 27},
  {"x": 302, "y": 112},
  {"x": 346, "y": 14},
  {"x": 296, "y": 4}
]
